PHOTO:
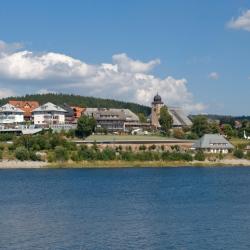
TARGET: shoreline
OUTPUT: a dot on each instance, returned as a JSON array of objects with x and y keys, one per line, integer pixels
[{"x": 14, "y": 164}]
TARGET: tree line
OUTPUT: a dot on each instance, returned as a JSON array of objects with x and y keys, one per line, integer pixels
[{"x": 81, "y": 101}]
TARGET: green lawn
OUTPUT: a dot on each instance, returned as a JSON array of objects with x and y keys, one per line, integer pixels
[
  {"x": 124, "y": 137},
  {"x": 237, "y": 141}
]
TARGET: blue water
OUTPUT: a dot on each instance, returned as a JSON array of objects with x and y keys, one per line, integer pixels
[{"x": 171, "y": 208}]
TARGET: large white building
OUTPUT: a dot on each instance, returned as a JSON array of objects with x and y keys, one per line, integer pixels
[
  {"x": 9, "y": 114},
  {"x": 49, "y": 114}
]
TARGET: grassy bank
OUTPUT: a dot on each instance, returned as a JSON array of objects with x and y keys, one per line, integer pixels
[{"x": 142, "y": 164}]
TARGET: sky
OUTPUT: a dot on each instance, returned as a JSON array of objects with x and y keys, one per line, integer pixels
[{"x": 194, "y": 53}]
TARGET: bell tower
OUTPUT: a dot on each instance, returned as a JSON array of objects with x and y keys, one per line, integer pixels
[{"x": 155, "y": 111}]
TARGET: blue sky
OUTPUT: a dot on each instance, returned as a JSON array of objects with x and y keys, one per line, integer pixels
[{"x": 188, "y": 51}]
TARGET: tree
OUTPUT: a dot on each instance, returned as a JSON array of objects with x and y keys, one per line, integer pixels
[
  {"x": 199, "y": 156},
  {"x": 238, "y": 153},
  {"x": 200, "y": 125},
  {"x": 213, "y": 128},
  {"x": 142, "y": 117},
  {"x": 166, "y": 120},
  {"x": 228, "y": 130},
  {"x": 85, "y": 126}
]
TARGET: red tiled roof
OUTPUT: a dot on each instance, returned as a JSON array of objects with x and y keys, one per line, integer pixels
[
  {"x": 26, "y": 106},
  {"x": 78, "y": 111}
]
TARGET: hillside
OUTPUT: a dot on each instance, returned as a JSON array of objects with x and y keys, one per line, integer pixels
[{"x": 82, "y": 101}]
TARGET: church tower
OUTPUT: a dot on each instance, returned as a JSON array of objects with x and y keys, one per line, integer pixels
[{"x": 155, "y": 112}]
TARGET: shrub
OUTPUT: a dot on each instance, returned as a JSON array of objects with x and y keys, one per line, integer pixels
[
  {"x": 85, "y": 153},
  {"x": 7, "y": 137},
  {"x": 127, "y": 156},
  {"x": 248, "y": 155},
  {"x": 142, "y": 147},
  {"x": 61, "y": 153},
  {"x": 22, "y": 153},
  {"x": 191, "y": 136},
  {"x": 152, "y": 147},
  {"x": 108, "y": 154},
  {"x": 51, "y": 157},
  {"x": 238, "y": 153},
  {"x": 34, "y": 156},
  {"x": 1, "y": 154},
  {"x": 176, "y": 148},
  {"x": 187, "y": 157},
  {"x": 75, "y": 156},
  {"x": 178, "y": 133},
  {"x": 11, "y": 147},
  {"x": 199, "y": 156}
]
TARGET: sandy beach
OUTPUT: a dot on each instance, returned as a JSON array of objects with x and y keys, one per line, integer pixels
[{"x": 5, "y": 164}]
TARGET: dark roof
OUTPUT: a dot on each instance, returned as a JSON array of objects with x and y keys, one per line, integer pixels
[
  {"x": 157, "y": 99},
  {"x": 69, "y": 110}
]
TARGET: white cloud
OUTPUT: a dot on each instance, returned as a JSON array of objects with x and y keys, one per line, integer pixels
[
  {"x": 126, "y": 64},
  {"x": 241, "y": 22},
  {"x": 27, "y": 65},
  {"x": 124, "y": 78},
  {"x": 214, "y": 76}
]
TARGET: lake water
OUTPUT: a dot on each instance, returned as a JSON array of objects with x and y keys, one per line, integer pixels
[{"x": 148, "y": 208}]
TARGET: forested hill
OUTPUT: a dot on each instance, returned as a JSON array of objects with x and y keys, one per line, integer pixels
[{"x": 82, "y": 101}]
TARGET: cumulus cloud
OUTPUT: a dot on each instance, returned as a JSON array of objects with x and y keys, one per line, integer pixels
[
  {"x": 124, "y": 78},
  {"x": 214, "y": 76},
  {"x": 126, "y": 64},
  {"x": 241, "y": 22}
]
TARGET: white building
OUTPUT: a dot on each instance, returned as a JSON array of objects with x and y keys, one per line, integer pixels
[
  {"x": 49, "y": 114},
  {"x": 9, "y": 114},
  {"x": 213, "y": 143}
]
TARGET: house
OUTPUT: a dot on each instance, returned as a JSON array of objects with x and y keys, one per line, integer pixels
[
  {"x": 26, "y": 106},
  {"x": 213, "y": 143},
  {"x": 180, "y": 119},
  {"x": 72, "y": 113},
  {"x": 9, "y": 114},
  {"x": 114, "y": 120},
  {"x": 49, "y": 114}
]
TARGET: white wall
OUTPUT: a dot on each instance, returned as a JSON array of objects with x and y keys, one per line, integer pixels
[
  {"x": 11, "y": 118},
  {"x": 40, "y": 119}
]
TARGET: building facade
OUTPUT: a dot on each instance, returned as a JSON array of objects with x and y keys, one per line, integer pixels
[
  {"x": 9, "y": 114},
  {"x": 112, "y": 119},
  {"x": 48, "y": 114},
  {"x": 26, "y": 106}
]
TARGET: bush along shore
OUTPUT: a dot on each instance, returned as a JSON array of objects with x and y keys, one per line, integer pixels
[{"x": 57, "y": 149}]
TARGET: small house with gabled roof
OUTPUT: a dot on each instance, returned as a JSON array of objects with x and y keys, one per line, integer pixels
[
  {"x": 213, "y": 143},
  {"x": 9, "y": 114}
]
